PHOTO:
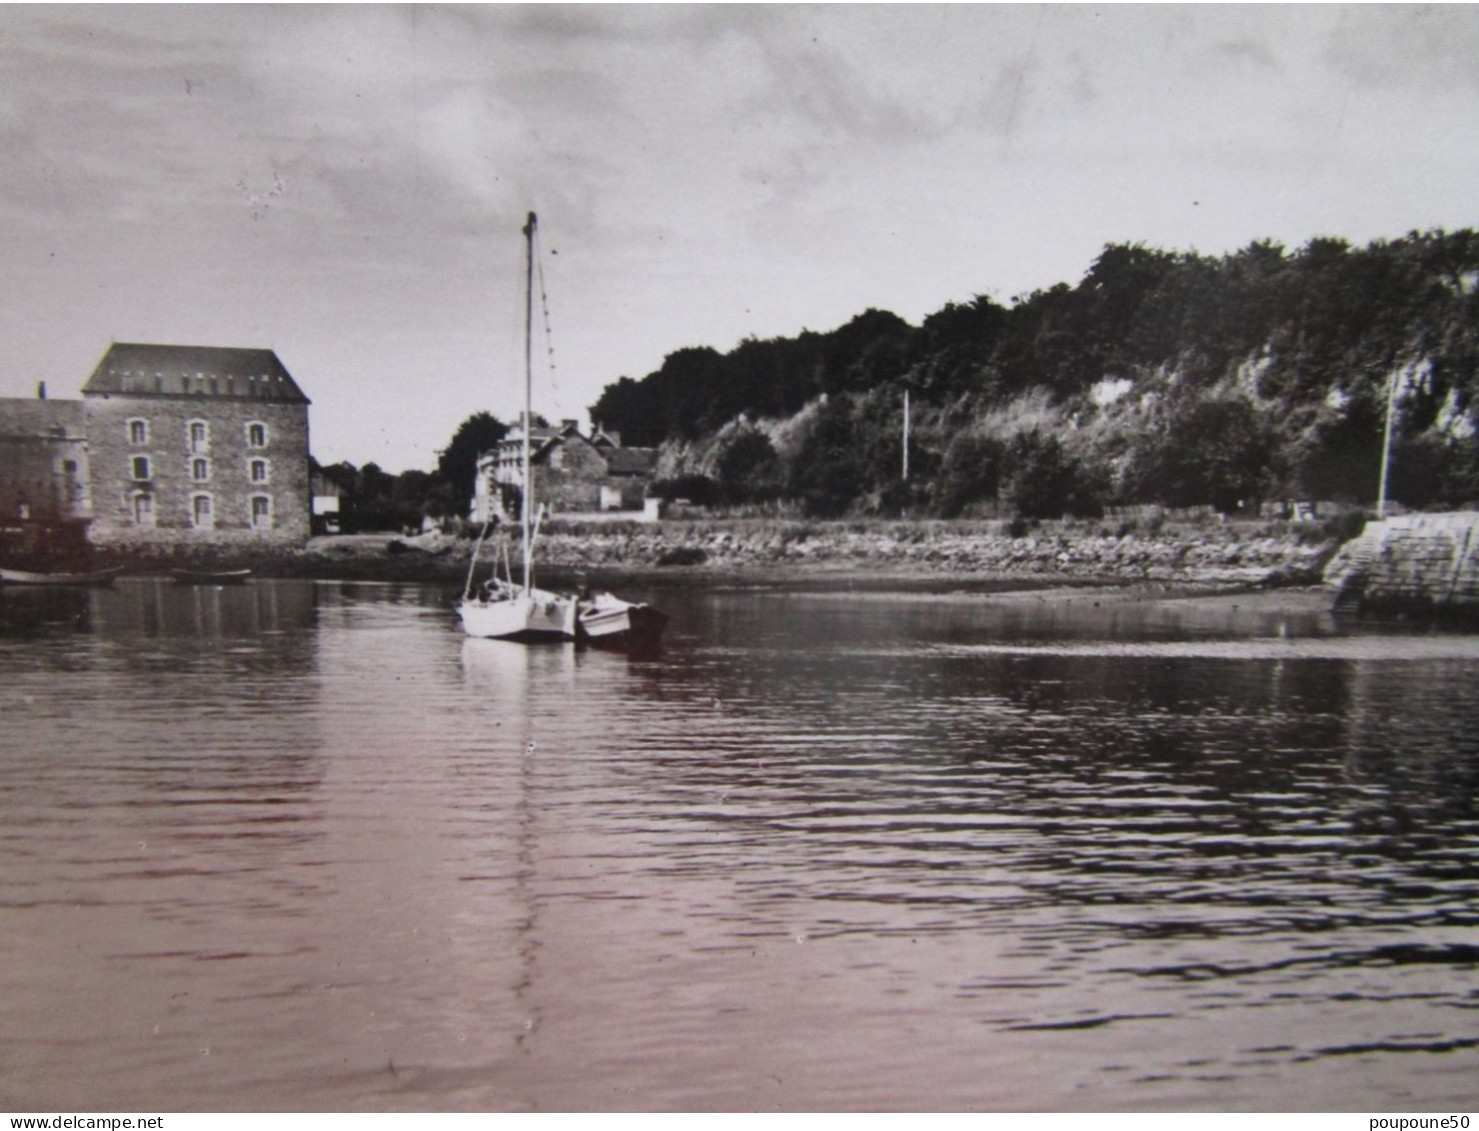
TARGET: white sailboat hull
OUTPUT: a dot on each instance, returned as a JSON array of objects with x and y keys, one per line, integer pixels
[{"x": 529, "y": 616}]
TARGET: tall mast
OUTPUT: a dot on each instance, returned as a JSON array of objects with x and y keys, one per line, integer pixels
[{"x": 528, "y": 501}]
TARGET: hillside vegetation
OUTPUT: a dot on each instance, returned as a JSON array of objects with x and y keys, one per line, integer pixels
[{"x": 1168, "y": 378}]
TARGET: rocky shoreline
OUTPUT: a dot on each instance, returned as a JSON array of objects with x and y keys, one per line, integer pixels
[{"x": 1216, "y": 555}]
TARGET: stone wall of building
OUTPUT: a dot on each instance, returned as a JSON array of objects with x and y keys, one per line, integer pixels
[
  {"x": 174, "y": 481},
  {"x": 43, "y": 460},
  {"x": 570, "y": 479},
  {"x": 1416, "y": 561}
]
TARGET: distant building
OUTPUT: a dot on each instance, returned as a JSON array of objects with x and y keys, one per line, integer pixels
[
  {"x": 324, "y": 497},
  {"x": 43, "y": 451},
  {"x": 573, "y": 473},
  {"x": 44, "y": 498}
]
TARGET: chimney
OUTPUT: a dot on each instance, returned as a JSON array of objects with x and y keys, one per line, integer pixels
[{"x": 41, "y": 390}]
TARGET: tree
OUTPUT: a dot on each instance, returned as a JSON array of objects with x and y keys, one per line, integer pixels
[
  {"x": 457, "y": 463},
  {"x": 826, "y": 475},
  {"x": 748, "y": 469},
  {"x": 1214, "y": 451},
  {"x": 970, "y": 472},
  {"x": 1045, "y": 481}
]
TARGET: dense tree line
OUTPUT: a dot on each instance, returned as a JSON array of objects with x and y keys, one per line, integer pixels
[
  {"x": 371, "y": 499},
  {"x": 1161, "y": 377}
]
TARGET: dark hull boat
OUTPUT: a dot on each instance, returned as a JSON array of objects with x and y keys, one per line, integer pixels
[
  {"x": 210, "y": 576},
  {"x": 604, "y": 620}
]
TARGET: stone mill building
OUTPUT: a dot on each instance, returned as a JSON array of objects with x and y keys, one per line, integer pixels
[{"x": 168, "y": 445}]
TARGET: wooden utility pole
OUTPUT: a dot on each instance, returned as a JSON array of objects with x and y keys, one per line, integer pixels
[
  {"x": 906, "y": 433},
  {"x": 1386, "y": 448}
]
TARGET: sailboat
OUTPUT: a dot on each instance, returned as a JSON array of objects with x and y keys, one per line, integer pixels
[{"x": 501, "y": 609}]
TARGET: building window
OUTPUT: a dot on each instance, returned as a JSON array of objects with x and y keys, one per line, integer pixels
[
  {"x": 256, "y": 435},
  {"x": 202, "y": 514},
  {"x": 200, "y": 436},
  {"x": 261, "y": 512},
  {"x": 140, "y": 467},
  {"x": 200, "y": 470},
  {"x": 69, "y": 467},
  {"x": 258, "y": 471},
  {"x": 143, "y": 505},
  {"x": 138, "y": 431}
]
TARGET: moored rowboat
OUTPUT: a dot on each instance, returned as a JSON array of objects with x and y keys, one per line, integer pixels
[
  {"x": 210, "y": 576},
  {"x": 29, "y": 577},
  {"x": 604, "y": 620}
]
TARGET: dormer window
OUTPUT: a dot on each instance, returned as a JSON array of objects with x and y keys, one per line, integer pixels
[{"x": 138, "y": 431}]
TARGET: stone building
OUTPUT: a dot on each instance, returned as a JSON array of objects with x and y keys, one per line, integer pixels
[
  {"x": 573, "y": 473},
  {"x": 196, "y": 444},
  {"x": 44, "y": 500}
]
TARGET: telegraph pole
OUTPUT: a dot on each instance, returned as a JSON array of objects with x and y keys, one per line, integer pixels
[
  {"x": 1386, "y": 449},
  {"x": 906, "y": 433}
]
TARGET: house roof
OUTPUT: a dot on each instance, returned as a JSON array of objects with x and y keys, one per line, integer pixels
[
  {"x": 630, "y": 461},
  {"x": 40, "y": 419},
  {"x": 138, "y": 369},
  {"x": 544, "y": 439}
]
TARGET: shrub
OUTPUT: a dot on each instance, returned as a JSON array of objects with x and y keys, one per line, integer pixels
[
  {"x": 970, "y": 472},
  {"x": 699, "y": 490},
  {"x": 1046, "y": 482},
  {"x": 749, "y": 470}
]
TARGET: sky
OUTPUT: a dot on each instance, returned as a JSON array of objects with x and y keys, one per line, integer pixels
[{"x": 346, "y": 184}]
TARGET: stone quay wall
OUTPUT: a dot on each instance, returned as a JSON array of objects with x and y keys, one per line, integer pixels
[{"x": 1415, "y": 561}]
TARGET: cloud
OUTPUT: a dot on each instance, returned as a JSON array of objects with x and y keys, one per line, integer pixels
[
  {"x": 708, "y": 172},
  {"x": 1422, "y": 45}
]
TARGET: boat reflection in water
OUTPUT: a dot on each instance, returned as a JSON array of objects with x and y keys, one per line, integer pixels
[
  {"x": 837, "y": 850},
  {"x": 26, "y": 609},
  {"x": 158, "y": 607}
]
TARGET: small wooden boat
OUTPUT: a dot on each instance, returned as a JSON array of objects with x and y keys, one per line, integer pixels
[
  {"x": 28, "y": 577},
  {"x": 605, "y": 620},
  {"x": 210, "y": 576}
]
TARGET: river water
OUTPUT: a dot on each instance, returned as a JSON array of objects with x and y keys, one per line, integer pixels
[{"x": 301, "y": 846}]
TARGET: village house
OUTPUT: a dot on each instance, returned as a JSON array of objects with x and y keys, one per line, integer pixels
[
  {"x": 168, "y": 445},
  {"x": 44, "y": 501},
  {"x": 573, "y": 473}
]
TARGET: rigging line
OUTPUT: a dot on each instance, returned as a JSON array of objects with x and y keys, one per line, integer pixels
[{"x": 549, "y": 342}]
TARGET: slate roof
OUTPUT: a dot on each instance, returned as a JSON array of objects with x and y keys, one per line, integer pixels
[
  {"x": 630, "y": 461},
  {"x": 138, "y": 369}
]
